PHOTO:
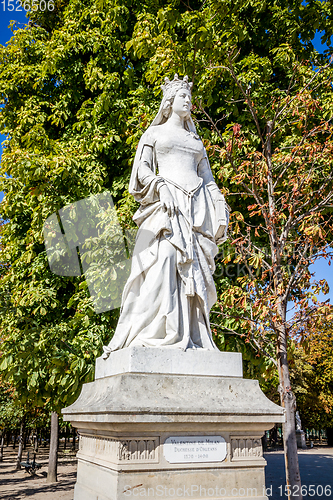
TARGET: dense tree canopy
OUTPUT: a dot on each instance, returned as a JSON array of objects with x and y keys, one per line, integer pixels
[
  {"x": 64, "y": 127},
  {"x": 312, "y": 373},
  {"x": 79, "y": 86}
]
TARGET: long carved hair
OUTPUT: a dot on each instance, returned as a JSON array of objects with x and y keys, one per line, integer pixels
[
  {"x": 165, "y": 111},
  {"x": 162, "y": 116}
]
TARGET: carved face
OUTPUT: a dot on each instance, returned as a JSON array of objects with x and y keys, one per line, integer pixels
[{"x": 182, "y": 103}]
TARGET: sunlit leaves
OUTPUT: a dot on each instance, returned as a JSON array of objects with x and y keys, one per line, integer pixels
[
  {"x": 65, "y": 83},
  {"x": 82, "y": 84}
]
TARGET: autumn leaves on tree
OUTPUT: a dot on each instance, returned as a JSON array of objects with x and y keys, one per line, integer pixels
[{"x": 283, "y": 172}]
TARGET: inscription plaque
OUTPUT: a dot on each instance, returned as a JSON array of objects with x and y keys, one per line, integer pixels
[{"x": 179, "y": 449}]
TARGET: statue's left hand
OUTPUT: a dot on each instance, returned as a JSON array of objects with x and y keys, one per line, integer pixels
[{"x": 167, "y": 200}]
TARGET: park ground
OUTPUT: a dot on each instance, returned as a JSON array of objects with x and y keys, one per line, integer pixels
[
  {"x": 18, "y": 484},
  {"x": 316, "y": 467}
]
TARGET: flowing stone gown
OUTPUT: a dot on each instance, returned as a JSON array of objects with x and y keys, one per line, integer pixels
[{"x": 170, "y": 291}]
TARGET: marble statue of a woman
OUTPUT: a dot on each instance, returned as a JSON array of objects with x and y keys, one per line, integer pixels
[{"x": 170, "y": 291}]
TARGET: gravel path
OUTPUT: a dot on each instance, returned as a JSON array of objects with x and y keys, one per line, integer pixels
[
  {"x": 316, "y": 468},
  {"x": 19, "y": 485}
]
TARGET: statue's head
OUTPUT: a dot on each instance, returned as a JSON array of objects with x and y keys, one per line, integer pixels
[{"x": 176, "y": 96}]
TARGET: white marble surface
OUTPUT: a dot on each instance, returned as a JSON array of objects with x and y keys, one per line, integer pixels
[
  {"x": 182, "y": 217},
  {"x": 140, "y": 395},
  {"x": 170, "y": 361}
]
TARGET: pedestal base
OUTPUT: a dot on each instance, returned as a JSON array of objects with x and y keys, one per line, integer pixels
[
  {"x": 98, "y": 483},
  {"x": 171, "y": 436}
]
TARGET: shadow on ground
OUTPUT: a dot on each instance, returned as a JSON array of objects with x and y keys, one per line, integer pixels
[
  {"x": 316, "y": 468},
  {"x": 19, "y": 485}
]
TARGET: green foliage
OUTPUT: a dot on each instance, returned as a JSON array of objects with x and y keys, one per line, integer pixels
[
  {"x": 249, "y": 61},
  {"x": 10, "y": 413},
  {"x": 311, "y": 367},
  {"x": 79, "y": 86},
  {"x": 64, "y": 81}
]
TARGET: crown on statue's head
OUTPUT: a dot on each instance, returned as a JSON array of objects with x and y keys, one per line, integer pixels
[{"x": 176, "y": 84}]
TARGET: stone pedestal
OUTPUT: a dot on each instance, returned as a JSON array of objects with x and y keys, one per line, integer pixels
[
  {"x": 300, "y": 437},
  {"x": 170, "y": 424}
]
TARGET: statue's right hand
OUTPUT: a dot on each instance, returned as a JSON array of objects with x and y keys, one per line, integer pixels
[{"x": 167, "y": 200}]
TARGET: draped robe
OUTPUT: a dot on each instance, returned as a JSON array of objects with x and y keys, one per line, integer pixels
[{"x": 170, "y": 291}]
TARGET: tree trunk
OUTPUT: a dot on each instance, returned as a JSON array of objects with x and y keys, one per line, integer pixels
[
  {"x": 20, "y": 447},
  {"x": 66, "y": 433},
  {"x": 14, "y": 442},
  {"x": 25, "y": 436},
  {"x": 53, "y": 457},
  {"x": 329, "y": 435},
  {"x": 36, "y": 442},
  {"x": 2, "y": 445},
  {"x": 288, "y": 401},
  {"x": 9, "y": 435}
]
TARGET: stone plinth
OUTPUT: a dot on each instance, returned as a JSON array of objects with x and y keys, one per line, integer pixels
[
  {"x": 171, "y": 435},
  {"x": 171, "y": 361}
]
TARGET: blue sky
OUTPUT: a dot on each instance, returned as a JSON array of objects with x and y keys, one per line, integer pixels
[
  {"x": 321, "y": 268},
  {"x": 5, "y": 35}
]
